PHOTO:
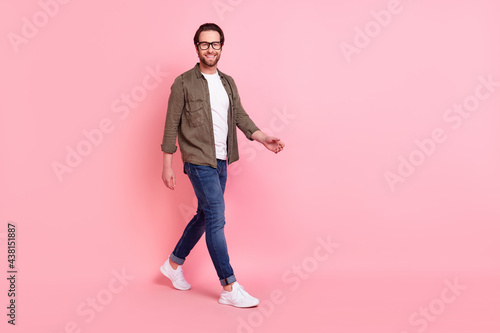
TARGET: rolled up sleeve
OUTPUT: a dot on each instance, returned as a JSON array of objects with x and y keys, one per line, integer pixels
[{"x": 174, "y": 113}]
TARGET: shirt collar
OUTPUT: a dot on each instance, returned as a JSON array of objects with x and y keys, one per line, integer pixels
[{"x": 199, "y": 74}]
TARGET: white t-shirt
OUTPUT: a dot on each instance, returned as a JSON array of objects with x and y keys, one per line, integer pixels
[{"x": 219, "y": 102}]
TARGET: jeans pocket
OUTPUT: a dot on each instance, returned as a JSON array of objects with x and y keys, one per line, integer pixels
[{"x": 191, "y": 169}]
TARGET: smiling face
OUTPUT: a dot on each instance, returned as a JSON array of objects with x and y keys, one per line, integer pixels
[{"x": 210, "y": 57}]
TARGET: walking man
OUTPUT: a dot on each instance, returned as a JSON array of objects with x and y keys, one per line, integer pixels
[{"x": 204, "y": 109}]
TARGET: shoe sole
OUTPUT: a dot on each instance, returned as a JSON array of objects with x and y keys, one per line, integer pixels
[
  {"x": 162, "y": 270},
  {"x": 237, "y": 306}
]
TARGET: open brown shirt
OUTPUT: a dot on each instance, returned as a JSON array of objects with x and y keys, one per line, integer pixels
[{"x": 189, "y": 116}]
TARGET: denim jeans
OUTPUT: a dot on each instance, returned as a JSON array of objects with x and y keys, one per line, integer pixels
[{"x": 209, "y": 185}]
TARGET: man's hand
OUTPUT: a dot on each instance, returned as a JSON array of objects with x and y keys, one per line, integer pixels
[
  {"x": 169, "y": 177},
  {"x": 273, "y": 144},
  {"x": 168, "y": 174}
]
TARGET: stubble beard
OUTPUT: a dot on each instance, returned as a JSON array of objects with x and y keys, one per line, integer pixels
[{"x": 211, "y": 63}]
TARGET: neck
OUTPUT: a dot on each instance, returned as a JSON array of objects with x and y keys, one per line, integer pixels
[{"x": 207, "y": 69}]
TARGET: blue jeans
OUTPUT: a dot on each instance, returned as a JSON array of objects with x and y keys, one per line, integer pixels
[{"x": 209, "y": 185}]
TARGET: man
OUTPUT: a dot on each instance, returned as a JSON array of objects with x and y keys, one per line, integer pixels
[{"x": 204, "y": 109}]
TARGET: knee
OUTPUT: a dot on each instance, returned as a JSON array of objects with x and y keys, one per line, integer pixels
[
  {"x": 216, "y": 224},
  {"x": 199, "y": 219}
]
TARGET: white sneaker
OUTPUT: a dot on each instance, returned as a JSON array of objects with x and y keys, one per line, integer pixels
[
  {"x": 238, "y": 297},
  {"x": 175, "y": 275}
]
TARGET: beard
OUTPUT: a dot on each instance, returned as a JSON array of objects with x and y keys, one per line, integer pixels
[{"x": 209, "y": 63}]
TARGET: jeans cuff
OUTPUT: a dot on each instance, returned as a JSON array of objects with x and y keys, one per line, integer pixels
[
  {"x": 177, "y": 260},
  {"x": 229, "y": 280}
]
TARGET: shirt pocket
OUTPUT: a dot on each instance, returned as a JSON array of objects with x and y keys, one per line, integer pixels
[{"x": 194, "y": 113}]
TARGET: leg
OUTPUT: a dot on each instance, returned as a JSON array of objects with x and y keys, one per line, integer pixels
[
  {"x": 209, "y": 185},
  {"x": 191, "y": 235}
]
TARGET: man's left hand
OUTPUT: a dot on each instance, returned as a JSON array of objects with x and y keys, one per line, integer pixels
[{"x": 273, "y": 144}]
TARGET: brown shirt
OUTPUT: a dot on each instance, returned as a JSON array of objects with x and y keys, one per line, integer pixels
[{"x": 189, "y": 116}]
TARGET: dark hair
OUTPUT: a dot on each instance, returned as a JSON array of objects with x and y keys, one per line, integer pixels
[{"x": 208, "y": 27}]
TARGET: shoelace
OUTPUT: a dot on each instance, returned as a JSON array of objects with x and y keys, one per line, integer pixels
[
  {"x": 242, "y": 291},
  {"x": 178, "y": 271}
]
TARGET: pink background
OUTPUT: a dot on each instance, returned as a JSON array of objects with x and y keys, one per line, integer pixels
[{"x": 347, "y": 121}]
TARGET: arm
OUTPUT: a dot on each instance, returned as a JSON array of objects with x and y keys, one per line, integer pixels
[
  {"x": 248, "y": 127},
  {"x": 273, "y": 144},
  {"x": 243, "y": 121},
  {"x": 174, "y": 112},
  {"x": 168, "y": 174}
]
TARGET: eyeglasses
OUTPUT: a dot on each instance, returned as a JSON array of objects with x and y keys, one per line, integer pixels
[{"x": 206, "y": 45}]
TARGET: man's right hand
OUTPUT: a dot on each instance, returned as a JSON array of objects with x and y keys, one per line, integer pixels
[
  {"x": 168, "y": 174},
  {"x": 169, "y": 177}
]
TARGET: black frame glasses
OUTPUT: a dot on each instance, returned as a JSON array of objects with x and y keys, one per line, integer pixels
[{"x": 206, "y": 45}]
